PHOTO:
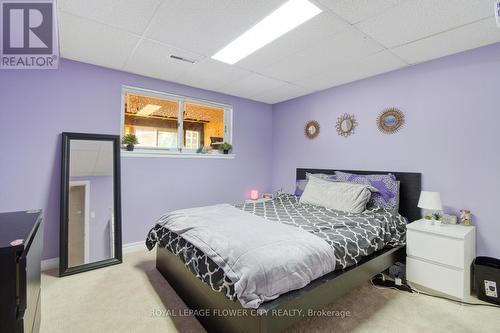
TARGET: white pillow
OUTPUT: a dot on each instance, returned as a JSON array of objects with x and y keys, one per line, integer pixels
[{"x": 348, "y": 197}]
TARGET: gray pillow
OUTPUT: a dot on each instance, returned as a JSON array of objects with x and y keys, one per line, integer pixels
[
  {"x": 324, "y": 176},
  {"x": 348, "y": 197},
  {"x": 300, "y": 184}
]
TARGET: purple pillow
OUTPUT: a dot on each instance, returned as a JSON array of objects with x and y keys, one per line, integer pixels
[
  {"x": 300, "y": 186},
  {"x": 301, "y": 183},
  {"x": 387, "y": 186}
]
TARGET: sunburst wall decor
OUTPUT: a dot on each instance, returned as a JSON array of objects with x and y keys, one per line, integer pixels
[
  {"x": 311, "y": 130},
  {"x": 390, "y": 120},
  {"x": 346, "y": 124}
]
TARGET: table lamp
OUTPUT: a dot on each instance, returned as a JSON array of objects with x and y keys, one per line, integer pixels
[
  {"x": 254, "y": 194},
  {"x": 431, "y": 203}
]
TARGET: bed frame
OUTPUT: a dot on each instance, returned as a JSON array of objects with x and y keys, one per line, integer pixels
[{"x": 225, "y": 315}]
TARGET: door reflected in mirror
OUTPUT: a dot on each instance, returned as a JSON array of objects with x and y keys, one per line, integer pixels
[{"x": 90, "y": 223}]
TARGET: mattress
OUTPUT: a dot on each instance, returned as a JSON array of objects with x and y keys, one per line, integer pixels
[{"x": 352, "y": 236}]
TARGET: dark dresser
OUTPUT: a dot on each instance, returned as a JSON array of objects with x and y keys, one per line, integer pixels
[{"x": 21, "y": 245}]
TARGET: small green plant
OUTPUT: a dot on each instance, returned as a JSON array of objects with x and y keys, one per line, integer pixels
[
  {"x": 129, "y": 139},
  {"x": 437, "y": 216},
  {"x": 226, "y": 146}
]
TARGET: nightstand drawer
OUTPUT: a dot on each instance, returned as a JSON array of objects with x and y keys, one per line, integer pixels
[
  {"x": 443, "y": 279},
  {"x": 433, "y": 247}
]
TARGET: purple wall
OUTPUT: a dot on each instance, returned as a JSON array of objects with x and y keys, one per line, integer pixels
[
  {"x": 452, "y": 133},
  {"x": 451, "y": 136},
  {"x": 36, "y": 106}
]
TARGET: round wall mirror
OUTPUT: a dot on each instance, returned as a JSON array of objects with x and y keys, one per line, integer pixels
[
  {"x": 346, "y": 125},
  {"x": 390, "y": 120},
  {"x": 312, "y": 129}
]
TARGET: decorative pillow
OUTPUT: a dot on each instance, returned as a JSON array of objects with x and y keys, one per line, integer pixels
[
  {"x": 301, "y": 183},
  {"x": 323, "y": 176},
  {"x": 348, "y": 197},
  {"x": 387, "y": 186},
  {"x": 397, "y": 197}
]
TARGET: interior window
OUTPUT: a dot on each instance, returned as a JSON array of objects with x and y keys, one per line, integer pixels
[
  {"x": 175, "y": 122},
  {"x": 167, "y": 139},
  {"x": 147, "y": 136},
  {"x": 203, "y": 126},
  {"x": 152, "y": 120}
]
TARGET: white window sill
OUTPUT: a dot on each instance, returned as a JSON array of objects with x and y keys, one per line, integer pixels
[{"x": 173, "y": 154}]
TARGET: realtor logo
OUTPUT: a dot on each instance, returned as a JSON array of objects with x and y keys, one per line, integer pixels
[{"x": 29, "y": 35}]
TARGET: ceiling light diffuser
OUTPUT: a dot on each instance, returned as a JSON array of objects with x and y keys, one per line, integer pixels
[
  {"x": 148, "y": 110},
  {"x": 287, "y": 17}
]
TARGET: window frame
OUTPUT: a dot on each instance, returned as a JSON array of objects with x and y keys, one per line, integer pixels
[{"x": 180, "y": 99}]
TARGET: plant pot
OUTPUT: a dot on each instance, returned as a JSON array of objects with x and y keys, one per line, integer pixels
[
  {"x": 226, "y": 151},
  {"x": 130, "y": 147}
]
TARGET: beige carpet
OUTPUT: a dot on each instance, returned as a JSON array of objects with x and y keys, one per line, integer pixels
[{"x": 130, "y": 298}]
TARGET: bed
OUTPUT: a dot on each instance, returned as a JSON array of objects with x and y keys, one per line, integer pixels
[{"x": 193, "y": 277}]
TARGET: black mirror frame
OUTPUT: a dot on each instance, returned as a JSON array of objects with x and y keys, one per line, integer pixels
[{"x": 63, "y": 233}]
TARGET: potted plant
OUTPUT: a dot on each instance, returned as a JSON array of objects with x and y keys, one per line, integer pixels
[
  {"x": 130, "y": 140},
  {"x": 225, "y": 147}
]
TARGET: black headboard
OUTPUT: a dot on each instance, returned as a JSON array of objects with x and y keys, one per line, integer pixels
[{"x": 409, "y": 190}]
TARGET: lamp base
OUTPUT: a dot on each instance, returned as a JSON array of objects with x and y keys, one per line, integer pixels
[
  {"x": 432, "y": 222},
  {"x": 430, "y": 215}
]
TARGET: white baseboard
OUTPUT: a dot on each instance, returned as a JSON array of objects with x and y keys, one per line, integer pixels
[
  {"x": 49, "y": 264},
  {"x": 133, "y": 247},
  {"x": 53, "y": 263}
]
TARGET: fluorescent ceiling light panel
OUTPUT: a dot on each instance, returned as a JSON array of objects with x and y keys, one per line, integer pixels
[
  {"x": 149, "y": 109},
  {"x": 287, "y": 17}
]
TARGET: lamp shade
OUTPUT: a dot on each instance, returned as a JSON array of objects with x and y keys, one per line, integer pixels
[
  {"x": 430, "y": 200},
  {"x": 254, "y": 194}
]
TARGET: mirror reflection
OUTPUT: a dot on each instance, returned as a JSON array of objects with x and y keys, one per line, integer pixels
[
  {"x": 346, "y": 125},
  {"x": 91, "y": 220},
  {"x": 311, "y": 129}
]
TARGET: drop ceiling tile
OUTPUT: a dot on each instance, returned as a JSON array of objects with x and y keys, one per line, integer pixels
[
  {"x": 347, "y": 45},
  {"x": 94, "y": 43},
  {"x": 342, "y": 73},
  {"x": 281, "y": 93},
  {"x": 413, "y": 20},
  {"x": 251, "y": 85},
  {"x": 153, "y": 59},
  {"x": 310, "y": 33},
  {"x": 130, "y": 15},
  {"x": 207, "y": 26},
  {"x": 461, "y": 39},
  {"x": 323, "y": 52},
  {"x": 85, "y": 145},
  {"x": 104, "y": 164},
  {"x": 106, "y": 147},
  {"x": 357, "y": 10},
  {"x": 82, "y": 162},
  {"x": 212, "y": 74}
]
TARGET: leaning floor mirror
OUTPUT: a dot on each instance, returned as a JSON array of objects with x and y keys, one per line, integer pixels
[{"x": 90, "y": 233}]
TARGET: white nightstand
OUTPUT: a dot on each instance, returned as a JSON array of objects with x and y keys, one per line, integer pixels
[{"x": 439, "y": 257}]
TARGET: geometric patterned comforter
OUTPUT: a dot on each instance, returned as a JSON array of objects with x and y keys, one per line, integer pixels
[{"x": 353, "y": 236}]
